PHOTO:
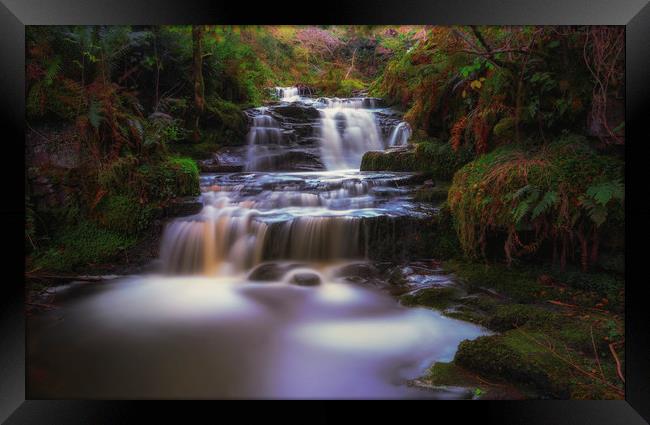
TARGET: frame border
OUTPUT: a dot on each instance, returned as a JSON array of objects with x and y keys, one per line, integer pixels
[{"x": 634, "y": 14}]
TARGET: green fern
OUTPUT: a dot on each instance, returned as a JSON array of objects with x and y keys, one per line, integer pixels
[
  {"x": 95, "y": 114},
  {"x": 550, "y": 198},
  {"x": 604, "y": 192},
  {"x": 598, "y": 196}
]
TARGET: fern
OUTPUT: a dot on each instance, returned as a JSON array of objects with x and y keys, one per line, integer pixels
[
  {"x": 604, "y": 192},
  {"x": 524, "y": 206},
  {"x": 598, "y": 196},
  {"x": 550, "y": 198},
  {"x": 95, "y": 114}
]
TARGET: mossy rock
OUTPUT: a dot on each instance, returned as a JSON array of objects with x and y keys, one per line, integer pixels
[
  {"x": 398, "y": 160},
  {"x": 437, "y": 193},
  {"x": 516, "y": 359},
  {"x": 155, "y": 181},
  {"x": 438, "y": 298},
  {"x": 517, "y": 284},
  {"x": 431, "y": 157},
  {"x": 449, "y": 374},
  {"x": 466, "y": 313},
  {"x": 297, "y": 112}
]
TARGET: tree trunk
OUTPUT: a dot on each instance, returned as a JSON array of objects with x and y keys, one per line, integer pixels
[{"x": 197, "y": 72}]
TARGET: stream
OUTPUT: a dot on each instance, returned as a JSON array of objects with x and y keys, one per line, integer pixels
[{"x": 278, "y": 288}]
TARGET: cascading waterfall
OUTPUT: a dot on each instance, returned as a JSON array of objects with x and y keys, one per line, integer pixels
[
  {"x": 400, "y": 135},
  {"x": 264, "y": 135},
  {"x": 287, "y": 94},
  {"x": 286, "y": 217},
  {"x": 236, "y": 231},
  {"x": 347, "y": 131}
]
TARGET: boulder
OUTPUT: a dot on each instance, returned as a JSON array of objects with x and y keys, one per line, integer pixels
[
  {"x": 305, "y": 279},
  {"x": 296, "y": 111},
  {"x": 267, "y": 272}
]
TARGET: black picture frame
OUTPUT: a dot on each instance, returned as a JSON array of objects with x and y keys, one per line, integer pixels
[{"x": 633, "y": 14}]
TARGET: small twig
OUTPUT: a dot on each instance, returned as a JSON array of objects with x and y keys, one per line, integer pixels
[
  {"x": 573, "y": 365},
  {"x": 488, "y": 383},
  {"x": 46, "y": 306},
  {"x": 560, "y": 303},
  {"x": 593, "y": 344},
  {"x": 619, "y": 372}
]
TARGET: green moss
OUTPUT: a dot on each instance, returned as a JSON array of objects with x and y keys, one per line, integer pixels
[
  {"x": 435, "y": 193},
  {"x": 466, "y": 313},
  {"x": 388, "y": 161},
  {"x": 203, "y": 150},
  {"x": 519, "y": 284},
  {"x": 175, "y": 177},
  {"x": 225, "y": 123},
  {"x": 442, "y": 373},
  {"x": 350, "y": 85},
  {"x": 186, "y": 174},
  {"x": 444, "y": 242},
  {"x": 439, "y": 159},
  {"x": 82, "y": 245},
  {"x": 438, "y": 298},
  {"x": 430, "y": 156},
  {"x": 510, "y": 316},
  {"x": 516, "y": 359},
  {"x": 124, "y": 214}
]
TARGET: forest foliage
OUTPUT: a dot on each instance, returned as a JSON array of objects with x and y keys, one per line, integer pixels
[{"x": 535, "y": 111}]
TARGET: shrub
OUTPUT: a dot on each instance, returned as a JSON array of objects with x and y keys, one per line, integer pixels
[{"x": 557, "y": 193}]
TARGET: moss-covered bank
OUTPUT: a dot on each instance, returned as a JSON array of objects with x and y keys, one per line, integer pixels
[
  {"x": 555, "y": 332},
  {"x": 78, "y": 227}
]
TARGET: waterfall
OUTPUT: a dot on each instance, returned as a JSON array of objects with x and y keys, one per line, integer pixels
[
  {"x": 400, "y": 135},
  {"x": 347, "y": 132},
  {"x": 257, "y": 216},
  {"x": 265, "y": 134},
  {"x": 233, "y": 240},
  {"x": 235, "y": 231},
  {"x": 287, "y": 94}
]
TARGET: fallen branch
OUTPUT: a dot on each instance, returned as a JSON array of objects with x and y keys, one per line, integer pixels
[
  {"x": 619, "y": 372},
  {"x": 40, "y": 305},
  {"x": 593, "y": 344},
  {"x": 560, "y": 303}
]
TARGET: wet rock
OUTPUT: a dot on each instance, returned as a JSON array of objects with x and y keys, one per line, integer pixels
[
  {"x": 227, "y": 160},
  {"x": 363, "y": 274},
  {"x": 271, "y": 271},
  {"x": 182, "y": 207},
  {"x": 363, "y": 270},
  {"x": 289, "y": 161},
  {"x": 296, "y": 111},
  {"x": 305, "y": 279}
]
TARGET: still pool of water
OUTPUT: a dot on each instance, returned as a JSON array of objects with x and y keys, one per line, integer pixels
[{"x": 207, "y": 337}]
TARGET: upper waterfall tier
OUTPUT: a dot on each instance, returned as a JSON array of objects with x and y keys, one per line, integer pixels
[{"x": 307, "y": 134}]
